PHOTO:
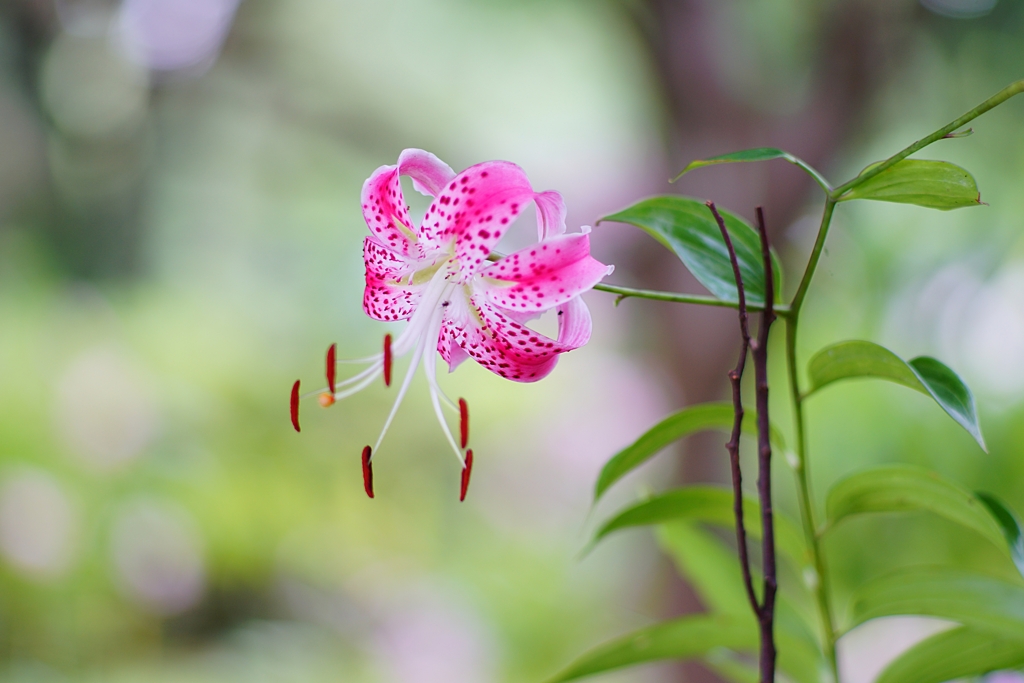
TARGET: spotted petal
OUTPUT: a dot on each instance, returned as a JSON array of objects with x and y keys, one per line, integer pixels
[
  {"x": 384, "y": 207},
  {"x": 508, "y": 348},
  {"x": 385, "y": 298},
  {"x": 544, "y": 275},
  {"x": 550, "y": 215},
  {"x": 429, "y": 174},
  {"x": 477, "y": 207}
]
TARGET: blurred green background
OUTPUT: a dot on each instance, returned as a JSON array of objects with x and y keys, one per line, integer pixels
[{"x": 180, "y": 238}]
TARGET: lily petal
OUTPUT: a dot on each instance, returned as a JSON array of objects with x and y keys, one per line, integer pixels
[
  {"x": 550, "y": 215},
  {"x": 506, "y": 347},
  {"x": 476, "y": 209},
  {"x": 574, "y": 323},
  {"x": 429, "y": 174},
  {"x": 544, "y": 275},
  {"x": 384, "y": 298},
  {"x": 385, "y": 211}
]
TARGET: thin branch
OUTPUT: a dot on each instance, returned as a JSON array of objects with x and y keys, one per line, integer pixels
[
  {"x": 733, "y": 446},
  {"x": 764, "y": 452},
  {"x": 1015, "y": 88},
  {"x": 676, "y": 297}
]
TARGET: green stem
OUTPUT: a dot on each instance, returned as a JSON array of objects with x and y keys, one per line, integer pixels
[
  {"x": 629, "y": 292},
  {"x": 819, "y": 586},
  {"x": 812, "y": 263},
  {"x": 994, "y": 101}
]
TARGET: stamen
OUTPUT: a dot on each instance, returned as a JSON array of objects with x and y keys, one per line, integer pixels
[
  {"x": 413, "y": 364},
  {"x": 466, "y": 471},
  {"x": 429, "y": 366},
  {"x": 295, "y": 406},
  {"x": 332, "y": 367},
  {"x": 367, "y": 472},
  {"x": 387, "y": 360},
  {"x": 464, "y": 421}
]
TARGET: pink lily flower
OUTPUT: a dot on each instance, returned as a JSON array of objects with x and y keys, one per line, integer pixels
[{"x": 440, "y": 277}]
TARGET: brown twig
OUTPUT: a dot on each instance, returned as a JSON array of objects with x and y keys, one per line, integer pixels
[
  {"x": 766, "y": 614},
  {"x": 735, "y": 377},
  {"x": 764, "y": 611}
]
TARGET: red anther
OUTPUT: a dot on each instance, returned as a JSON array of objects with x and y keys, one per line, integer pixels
[
  {"x": 467, "y": 469},
  {"x": 295, "y": 406},
  {"x": 387, "y": 360},
  {"x": 367, "y": 472},
  {"x": 464, "y": 421},
  {"x": 332, "y": 367},
  {"x": 327, "y": 399}
]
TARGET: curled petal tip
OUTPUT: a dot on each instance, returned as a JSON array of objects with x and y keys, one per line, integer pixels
[
  {"x": 367, "y": 472},
  {"x": 387, "y": 360},
  {"x": 585, "y": 229},
  {"x": 464, "y": 421},
  {"x": 295, "y": 406},
  {"x": 327, "y": 399},
  {"x": 332, "y": 366},
  {"x": 467, "y": 469},
  {"x": 611, "y": 269}
]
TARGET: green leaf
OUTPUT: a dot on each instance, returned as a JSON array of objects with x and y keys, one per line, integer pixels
[
  {"x": 957, "y": 653},
  {"x": 672, "y": 428},
  {"x": 851, "y": 359},
  {"x": 902, "y": 488},
  {"x": 982, "y": 602},
  {"x": 730, "y": 667},
  {"x": 714, "y": 572},
  {"x": 759, "y": 154},
  {"x": 686, "y": 227},
  {"x": 1010, "y": 526},
  {"x": 711, "y": 569},
  {"x": 934, "y": 184},
  {"x": 709, "y": 504},
  {"x": 691, "y": 637},
  {"x": 685, "y": 638}
]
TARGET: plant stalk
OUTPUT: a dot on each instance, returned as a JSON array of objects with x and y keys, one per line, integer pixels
[
  {"x": 733, "y": 447},
  {"x": 819, "y": 585},
  {"x": 764, "y": 466},
  {"x": 675, "y": 297},
  {"x": 1006, "y": 93}
]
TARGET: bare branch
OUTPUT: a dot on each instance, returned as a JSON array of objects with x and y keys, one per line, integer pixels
[
  {"x": 735, "y": 377},
  {"x": 766, "y": 613}
]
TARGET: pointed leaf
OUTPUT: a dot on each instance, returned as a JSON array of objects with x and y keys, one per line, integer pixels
[
  {"x": 713, "y": 569},
  {"x": 903, "y": 488},
  {"x": 729, "y": 666},
  {"x": 933, "y": 184},
  {"x": 685, "y": 638},
  {"x": 958, "y": 653},
  {"x": 950, "y": 392},
  {"x": 758, "y": 154},
  {"x": 687, "y": 227},
  {"x": 690, "y": 637},
  {"x": 672, "y": 428},
  {"x": 982, "y": 602},
  {"x": 709, "y": 504},
  {"x": 1010, "y": 526},
  {"x": 852, "y": 359}
]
